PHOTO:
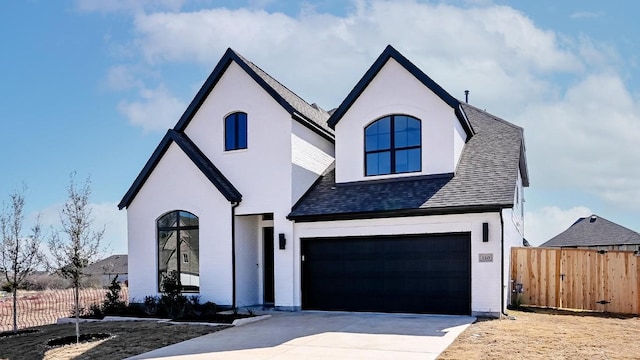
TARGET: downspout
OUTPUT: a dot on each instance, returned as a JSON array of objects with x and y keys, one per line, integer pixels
[
  {"x": 502, "y": 264},
  {"x": 234, "y": 205}
]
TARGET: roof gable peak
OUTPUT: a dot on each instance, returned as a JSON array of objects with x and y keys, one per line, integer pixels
[
  {"x": 309, "y": 116},
  {"x": 391, "y": 53}
]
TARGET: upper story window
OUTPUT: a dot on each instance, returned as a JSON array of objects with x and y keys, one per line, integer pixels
[
  {"x": 393, "y": 145},
  {"x": 235, "y": 131}
]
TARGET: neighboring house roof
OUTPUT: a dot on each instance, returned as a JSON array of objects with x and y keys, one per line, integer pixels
[
  {"x": 197, "y": 157},
  {"x": 310, "y": 116},
  {"x": 114, "y": 264},
  {"x": 391, "y": 53},
  {"x": 485, "y": 179},
  {"x": 594, "y": 231}
]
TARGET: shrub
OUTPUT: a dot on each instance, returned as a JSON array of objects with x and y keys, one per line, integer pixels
[
  {"x": 172, "y": 302},
  {"x": 112, "y": 304}
]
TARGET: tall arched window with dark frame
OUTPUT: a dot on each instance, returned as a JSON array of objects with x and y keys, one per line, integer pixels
[
  {"x": 179, "y": 249},
  {"x": 235, "y": 131},
  {"x": 393, "y": 145}
]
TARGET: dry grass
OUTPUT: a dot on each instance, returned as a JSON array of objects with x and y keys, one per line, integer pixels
[
  {"x": 129, "y": 338},
  {"x": 547, "y": 334},
  {"x": 36, "y": 308}
]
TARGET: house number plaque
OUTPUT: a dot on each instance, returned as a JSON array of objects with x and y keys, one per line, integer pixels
[{"x": 486, "y": 257}]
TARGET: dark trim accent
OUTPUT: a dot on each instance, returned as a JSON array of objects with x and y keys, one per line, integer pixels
[
  {"x": 205, "y": 165},
  {"x": 464, "y": 121},
  {"x": 388, "y": 53},
  {"x": 393, "y": 149},
  {"x": 235, "y": 118},
  {"x": 177, "y": 228},
  {"x": 485, "y": 232},
  {"x": 524, "y": 171},
  {"x": 399, "y": 213},
  {"x": 233, "y": 253},
  {"x": 146, "y": 171},
  {"x": 215, "y": 76},
  {"x": 311, "y": 125},
  {"x": 502, "y": 304},
  {"x": 397, "y": 179}
]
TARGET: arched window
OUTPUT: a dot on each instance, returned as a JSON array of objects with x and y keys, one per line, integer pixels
[
  {"x": 179, "y": 249},
  {"x": 235, "y": 131},
  {"x": 393, "y": 145}
]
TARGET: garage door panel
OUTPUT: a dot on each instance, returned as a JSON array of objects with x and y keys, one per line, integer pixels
[{"x": 424, "y": 274}]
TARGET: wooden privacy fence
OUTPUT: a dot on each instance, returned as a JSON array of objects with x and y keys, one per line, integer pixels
[{"x": 607, "y": 281}]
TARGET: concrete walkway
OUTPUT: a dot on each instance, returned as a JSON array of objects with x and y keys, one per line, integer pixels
[{"x": 325, "y": 335}]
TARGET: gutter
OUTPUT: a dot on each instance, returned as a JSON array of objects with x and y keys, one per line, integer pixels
[
  {"x": 502, "y": 312},
  {"x": 234, "y": 205}
]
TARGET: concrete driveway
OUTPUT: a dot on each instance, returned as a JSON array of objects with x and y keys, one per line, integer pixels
[{"x": 325, "y": 335}]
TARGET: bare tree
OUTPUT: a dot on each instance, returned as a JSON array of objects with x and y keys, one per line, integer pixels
[
  {"x": 75, "y": 245},
  {"x": 19, "y": 255}
]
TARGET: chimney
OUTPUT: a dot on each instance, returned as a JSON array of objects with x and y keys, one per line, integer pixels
[
  {"x": 466, "y": 96},
  {"x": 593, "y": 218}
]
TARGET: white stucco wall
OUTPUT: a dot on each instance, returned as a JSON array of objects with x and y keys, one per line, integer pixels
[
  {"x": 485, "y": 276},
  {"x": 177, "y": 184},
  {"x": 512, "y": 238},
  {"x": 395, "y": 91},
  {"x": 517, "y": 215},
  {"x": 248, "y": 239},
  {"x": 262, "y": 171},
  {"x": 311, "y": 155}
]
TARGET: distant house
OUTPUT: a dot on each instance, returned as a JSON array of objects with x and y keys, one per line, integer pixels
[
  {"x": 109, "y": 268},
  {"x": 595, "y": 232}
]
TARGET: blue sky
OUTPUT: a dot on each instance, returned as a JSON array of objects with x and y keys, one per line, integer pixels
[{"x": 92, "y": 85}]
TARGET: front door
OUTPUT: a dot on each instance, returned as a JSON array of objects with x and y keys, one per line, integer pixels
[{"x": 267, "y": 241}]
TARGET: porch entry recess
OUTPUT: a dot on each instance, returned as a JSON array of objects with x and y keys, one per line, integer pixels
[
  {"x": 607, "y": 281},
  {"x": 423, "y": 273},
  {"x": 268, "y": 297}
]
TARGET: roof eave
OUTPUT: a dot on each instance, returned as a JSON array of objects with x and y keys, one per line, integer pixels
[{"x": 449, "y": 210}]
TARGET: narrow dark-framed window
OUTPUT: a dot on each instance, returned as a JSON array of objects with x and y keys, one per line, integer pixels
[
  {"x": 235, "y": 131},
  {"x": 179, "y": 249},
  {"x": 393, "y": 145}
]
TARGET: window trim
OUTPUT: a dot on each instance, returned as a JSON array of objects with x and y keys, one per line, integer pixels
[
  {"x": 177, "y": 229},
  {"x": 234, "y": 116},
  {"x": 392, "y": 148}
]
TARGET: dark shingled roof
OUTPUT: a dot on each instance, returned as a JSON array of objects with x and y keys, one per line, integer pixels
[
  {"x": 197, "y": 157},
  {"x": 114, "y": 264},
  {"x": 594, "y": 231},
  {"x": 485, "y": 179},
  {"x": 308, "y": 115}
]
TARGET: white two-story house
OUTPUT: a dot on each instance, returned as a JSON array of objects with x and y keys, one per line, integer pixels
[{"x": 402, "y": 199}]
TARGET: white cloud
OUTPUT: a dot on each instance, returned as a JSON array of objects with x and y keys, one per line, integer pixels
[
  {"x": 158, "y": 109},
  {"x": 587, "y": 140},
  {"x": 496, "y": 50},
  {"x": 547, "y": 222},
  {"x": 105, "y": 216},
  {"x": 581, "y": 132}
]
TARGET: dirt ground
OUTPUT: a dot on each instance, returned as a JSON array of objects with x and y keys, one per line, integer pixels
[
  {"x": 548, "y": 334},
  {"x": 129, "y": 338}
]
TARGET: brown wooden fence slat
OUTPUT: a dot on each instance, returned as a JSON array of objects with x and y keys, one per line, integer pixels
[{"x": 578, "y": 279}]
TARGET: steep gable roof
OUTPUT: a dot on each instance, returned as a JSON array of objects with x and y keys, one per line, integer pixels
[
  {"x": 391, "y": 53},
  {"x": 195, "y": 155},
  {"x": 594, "y": 231},
  {"x": 484, "y": 180},
  {"x": 312, "y": 117}
]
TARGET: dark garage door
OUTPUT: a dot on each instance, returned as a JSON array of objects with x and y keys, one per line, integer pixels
[{"x": 416, "y": 274}]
